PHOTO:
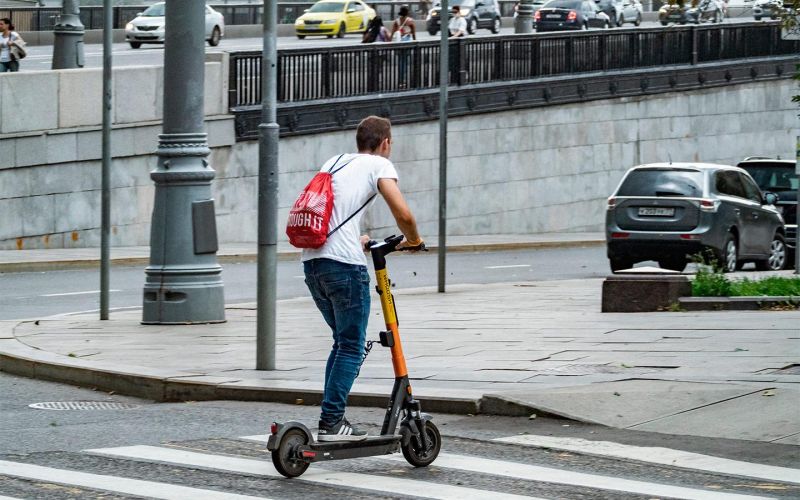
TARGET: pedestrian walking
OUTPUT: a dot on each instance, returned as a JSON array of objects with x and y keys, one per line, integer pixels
[
  {"x": 403, "y": 30},
  {"x": 336, "y": 273},
  {"x": 12, "y": 47},
  {"x": 458, "y": 25},
  {"x": 376, "y": 31}
]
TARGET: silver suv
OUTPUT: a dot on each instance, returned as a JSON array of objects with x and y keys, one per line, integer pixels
[{"x": 670, "y": 212}]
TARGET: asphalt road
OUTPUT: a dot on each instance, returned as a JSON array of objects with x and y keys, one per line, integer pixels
[
  {"x": 40, "y": 57},
  {"x": 33, "y": 295},
  {"x": 187, "y": 450}
]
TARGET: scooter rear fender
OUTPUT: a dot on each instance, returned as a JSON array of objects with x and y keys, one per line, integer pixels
[{"x": 275, "y": 439}]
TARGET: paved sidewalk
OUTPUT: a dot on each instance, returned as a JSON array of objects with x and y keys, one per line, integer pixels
[
  {"x": 67, "y": 258},
  {"x": 513, "y": 348}
]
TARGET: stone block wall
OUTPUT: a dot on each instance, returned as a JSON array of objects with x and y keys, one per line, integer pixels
[{"x": 535, "y": 170}]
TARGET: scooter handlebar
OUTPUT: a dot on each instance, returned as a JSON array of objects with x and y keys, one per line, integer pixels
[{"x": 389, "y": 245}]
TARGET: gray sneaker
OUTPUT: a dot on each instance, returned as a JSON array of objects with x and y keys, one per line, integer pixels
[{"x": 342, "y": 431}]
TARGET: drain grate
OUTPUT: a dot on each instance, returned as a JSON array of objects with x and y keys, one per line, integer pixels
[{"x": 82, "y": 405}]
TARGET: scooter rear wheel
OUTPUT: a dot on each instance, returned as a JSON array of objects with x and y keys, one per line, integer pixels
[
  {"x": 423, "y": 458},
  {"x": 285, "y": 459}
]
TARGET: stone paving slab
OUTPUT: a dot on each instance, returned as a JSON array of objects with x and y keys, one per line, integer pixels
[
  {"x": 765, "y": 415},
  {"x": 509, "y": 348},
  {"x": 628, "y": 403}
]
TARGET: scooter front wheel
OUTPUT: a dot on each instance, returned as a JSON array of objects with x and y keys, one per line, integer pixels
[
  {"x": 419, "y": 457},
  {"x": 285, "y": 458}
]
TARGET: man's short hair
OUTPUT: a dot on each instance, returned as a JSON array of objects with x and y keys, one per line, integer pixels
[
  {"x": 456, "y": 7},
  {"x": 371, "y": 132}
]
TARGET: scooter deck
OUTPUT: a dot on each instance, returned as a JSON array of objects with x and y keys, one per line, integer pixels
[{"x": 337, "y": 450}]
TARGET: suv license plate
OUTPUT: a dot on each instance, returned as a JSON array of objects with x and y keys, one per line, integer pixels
[
  {"x": 657, "y": 211},
  {"x": 553, "y": 16}
]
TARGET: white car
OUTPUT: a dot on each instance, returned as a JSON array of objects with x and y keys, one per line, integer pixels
[
  {"x": 148, "y": 26},
  {"x": 631, "y": 13}
]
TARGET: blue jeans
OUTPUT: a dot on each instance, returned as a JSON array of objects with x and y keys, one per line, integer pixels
[
  {"x": 6, "y": 66},
  {"x": 341, "y": 292}
]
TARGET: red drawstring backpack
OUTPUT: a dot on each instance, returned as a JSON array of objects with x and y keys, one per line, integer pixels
[{"x": 310, "y": 215}]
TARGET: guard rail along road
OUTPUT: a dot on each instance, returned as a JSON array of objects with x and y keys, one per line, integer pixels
[{"x": 499, "y": 72}]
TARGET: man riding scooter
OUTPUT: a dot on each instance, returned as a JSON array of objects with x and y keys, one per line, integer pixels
[{"x": 336, "y": 273}]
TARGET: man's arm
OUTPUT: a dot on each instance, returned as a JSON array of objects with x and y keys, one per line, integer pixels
[{"x": 399, "y": 208}]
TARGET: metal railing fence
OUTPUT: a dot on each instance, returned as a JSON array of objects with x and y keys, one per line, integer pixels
[{"x": 311, "y": 74}]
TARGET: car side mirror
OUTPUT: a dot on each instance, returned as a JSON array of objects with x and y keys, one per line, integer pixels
[
  {"x": 479, "y": 4},
  {"x": 770, "y": 198},
  {"x": 139, "y": 14},
  {"x": 306, "y": 10},
  {"x": 350, "y": 11}
]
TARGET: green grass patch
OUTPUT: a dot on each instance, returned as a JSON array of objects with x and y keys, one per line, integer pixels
[{"x": 710, "y": 283}]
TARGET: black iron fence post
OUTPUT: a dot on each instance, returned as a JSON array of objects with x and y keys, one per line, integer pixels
[
  {"x": 694, "y": 45},
  {"x": 233, "y": 82},
  {"x": 499, "y": 59},
  {"x": 416, "y": 67}
]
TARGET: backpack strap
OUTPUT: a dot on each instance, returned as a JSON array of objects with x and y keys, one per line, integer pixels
[
  {"x": 353, "y": 215},
  {"x": 332, "y": 171}
]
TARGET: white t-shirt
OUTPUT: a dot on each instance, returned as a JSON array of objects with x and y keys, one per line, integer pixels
[
  {"x": 352, "y": 187},
  {"x": 457, "y": 23},
  {"x": 5, "y": 55}
]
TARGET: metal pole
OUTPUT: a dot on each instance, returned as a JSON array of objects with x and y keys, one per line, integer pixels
[
  {"x": 105, "y": 203},
  {"x": 68, "y": 37},
  {"x": 524, "y": 20},
  {"x": 184, "y": 280},
  {"x": 444, "y": 77},
  {"x": 268, "y": 194}
]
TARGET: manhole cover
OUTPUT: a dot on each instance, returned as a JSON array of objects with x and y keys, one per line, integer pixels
[
  {"x": 576, "y": 370},
  {"x": 82, "y": 405}
]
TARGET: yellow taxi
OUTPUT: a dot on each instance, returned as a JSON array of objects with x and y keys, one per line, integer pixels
[{"x": 334, "y": 17}]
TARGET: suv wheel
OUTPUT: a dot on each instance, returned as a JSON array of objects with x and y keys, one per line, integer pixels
[
  {"x": 496, "y": 25},
  {"x": 471, "y": 26},
  {"x": 620, "y": 20},
  {"x": 777, "y": 255},
  {"x": 729, "y": 260}
]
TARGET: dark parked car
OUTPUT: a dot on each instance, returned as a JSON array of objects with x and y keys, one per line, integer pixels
[
  {"x": 671, "y": 212},
  {"x": 779, "y": 177},
  {"x": 478, "y": 13},
  {"x": 560, "y": 15}
]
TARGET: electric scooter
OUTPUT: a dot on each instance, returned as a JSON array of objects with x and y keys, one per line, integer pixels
[{"x": 293, "y": 445}]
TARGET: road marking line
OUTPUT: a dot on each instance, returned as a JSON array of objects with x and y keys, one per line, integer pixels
[
  {"x": 385, "y": 484},
  {"x": 661, "y": 456},
  {"x": 88, "y": 292},
  {"x": 549, "y": 475},
  {"x": 116, "y": 484},
  {"x": 507, "y": 267},
  {"x": 8, "y": 498}
]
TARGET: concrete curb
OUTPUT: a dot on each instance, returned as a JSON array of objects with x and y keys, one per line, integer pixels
[
  {"x": 67, "y": 264},
  {"x": 16, "y": 358},
  {"x": 736, "y": 303}
]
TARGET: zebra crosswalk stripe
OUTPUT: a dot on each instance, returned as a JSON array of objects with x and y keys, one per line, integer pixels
[
  {"x": 116, "y": 484},
  {"x": 658, "y": 455},
  {"x": 550, "y": 475},
  {"x": 8, "y": 498},
  {"x": 384, "y": 484}
]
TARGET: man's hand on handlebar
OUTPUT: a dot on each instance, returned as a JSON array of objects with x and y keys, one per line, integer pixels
[
  {"x": 405, "y": 245},
  {"x": 365, "y": 243}
]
